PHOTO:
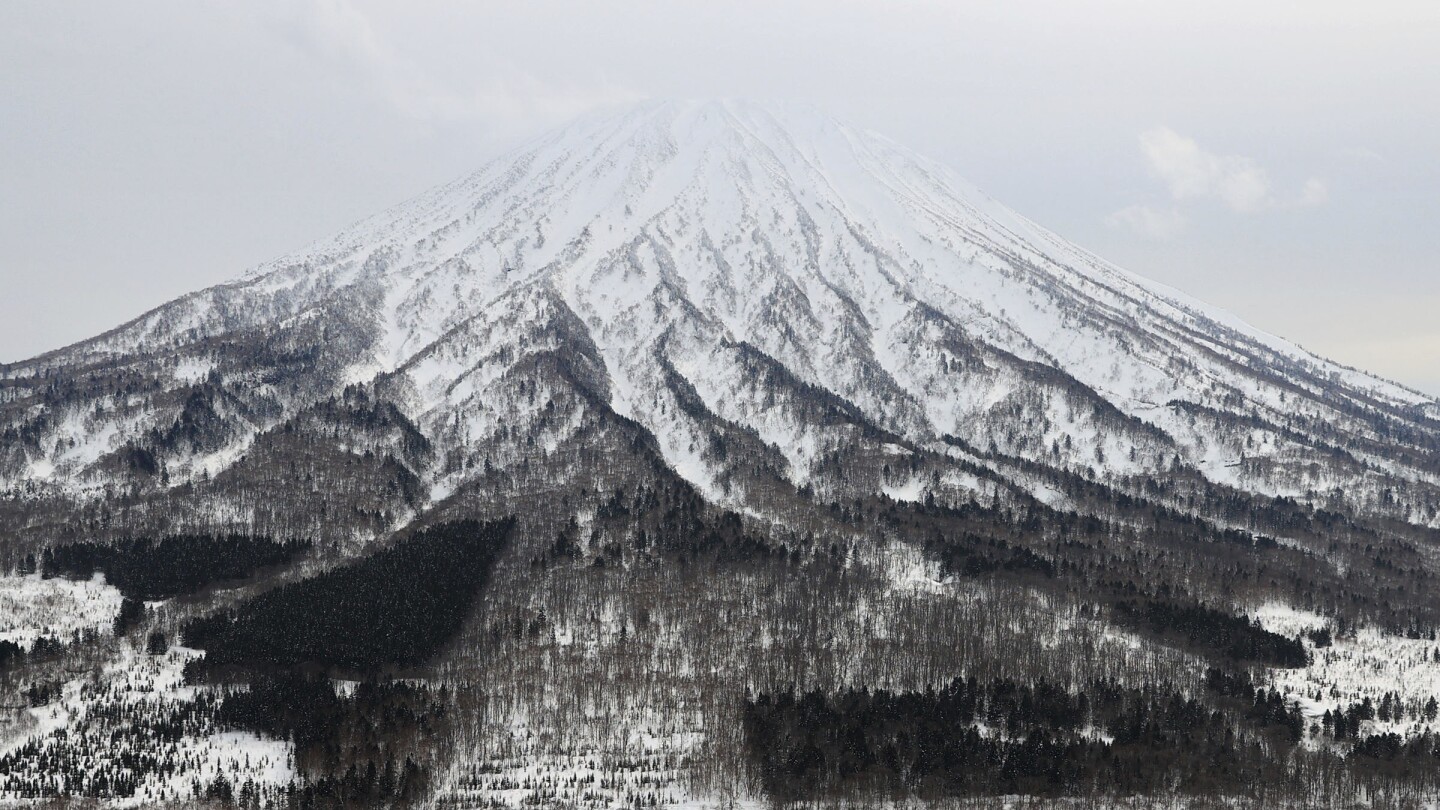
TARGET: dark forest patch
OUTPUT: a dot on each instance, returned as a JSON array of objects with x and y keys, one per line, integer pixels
[
  {"x": 999, "y": 738},
  {"x": 146, "y": 569},
  {"x": 1234, "y": 637},
  {"x": 970, "y": 555},
  {"x": 396, "y": 608}
]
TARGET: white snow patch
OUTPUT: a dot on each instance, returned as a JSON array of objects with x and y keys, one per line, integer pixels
[
  {"x": 912, "y": 491},
  {"x": 1367, "y": 664},
  {"x": 33, "y": 606}
]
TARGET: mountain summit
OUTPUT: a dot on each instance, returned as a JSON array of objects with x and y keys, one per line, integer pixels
[
  {"x": 702, "y": 455},
  {"x": 719, "y": 268}
]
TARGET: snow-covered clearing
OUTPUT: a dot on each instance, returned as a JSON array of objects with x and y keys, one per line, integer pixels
[
  {"x": 33, "y": 606},
  {"x": 1365, "y": 664}
]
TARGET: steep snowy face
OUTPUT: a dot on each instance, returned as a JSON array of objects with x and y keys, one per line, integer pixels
[{"x": 759, "y": 273}]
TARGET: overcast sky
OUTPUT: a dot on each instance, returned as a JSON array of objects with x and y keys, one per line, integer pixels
[{"x": 1278, "y": 159}]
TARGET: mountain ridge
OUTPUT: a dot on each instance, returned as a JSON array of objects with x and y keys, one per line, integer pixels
[
  {"x": 659, "y": 462},
  {"x": 864, "y": 270}
]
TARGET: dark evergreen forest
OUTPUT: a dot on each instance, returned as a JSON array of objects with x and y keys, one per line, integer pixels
[
  {"x": 393, "y": 609},
  {"x": 147, "y": 569},
  {"x": 1002, "y": 737}
]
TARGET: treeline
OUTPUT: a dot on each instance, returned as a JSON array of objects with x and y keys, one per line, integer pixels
[
  {"x": 1213, "y": 632},
  {"x": 367, "y": 747},
  {"x": 42, "y": 649},
  {"x": 395, "y": 608},
  {"x": 1261, "y": 706},
  {"x": 1347, "y": 723},
  {"x": 971, "y": 555},
  {"x": 1234, "y": 637},
  {"x": 669, "y": 521},
  {"x": 1206, "y": 541},
  {"x": 1001, "y": 738},
  {"x": 145, "y": 569}
]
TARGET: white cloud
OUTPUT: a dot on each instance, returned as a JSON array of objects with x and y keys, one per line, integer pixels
[
  {"x": 1314, "y": 193},
  {"x": 1190, "y": 172},
  {"x": 1148, "y": 222}
]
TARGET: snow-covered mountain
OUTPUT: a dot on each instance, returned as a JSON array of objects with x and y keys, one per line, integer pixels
[
  {"x": 719, "y": 272},
  {"x": 554, "y": 485}
]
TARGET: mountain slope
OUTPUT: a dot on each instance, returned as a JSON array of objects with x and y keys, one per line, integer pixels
[
  {"x": 776, "y": 407},
  {"x": 648, "y": 242}
]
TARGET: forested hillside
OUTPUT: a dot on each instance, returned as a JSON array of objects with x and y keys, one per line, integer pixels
[{"x": 712, "y": 455}]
